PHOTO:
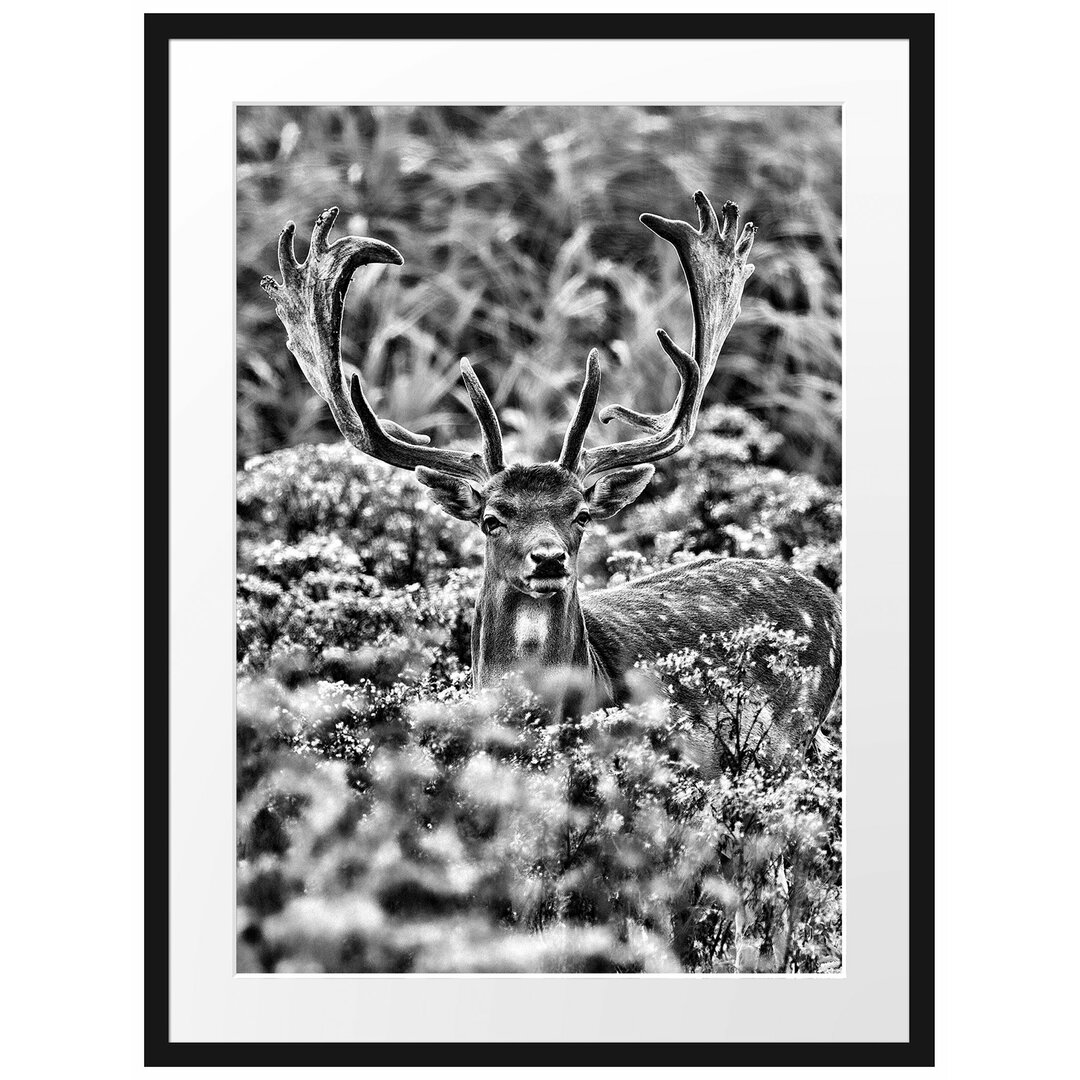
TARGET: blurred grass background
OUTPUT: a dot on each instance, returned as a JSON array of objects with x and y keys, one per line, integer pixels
[{"x": 523, "y": 250}]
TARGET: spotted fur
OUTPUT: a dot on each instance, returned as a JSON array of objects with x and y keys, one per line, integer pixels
[{"x": 670, "y": 610}]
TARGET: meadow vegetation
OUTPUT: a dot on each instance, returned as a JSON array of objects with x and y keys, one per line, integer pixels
[{"x": 523, "y": 251}]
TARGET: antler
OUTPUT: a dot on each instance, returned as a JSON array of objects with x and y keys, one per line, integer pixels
[
  {"x": 310, "y": 302},
  {"x": 715, "y": 266}
]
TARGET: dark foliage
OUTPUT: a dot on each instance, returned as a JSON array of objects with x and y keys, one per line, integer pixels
[{"x": 523, "y": 251}]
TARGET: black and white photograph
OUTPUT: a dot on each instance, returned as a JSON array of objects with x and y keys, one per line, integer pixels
[
  {"x": 534, "y": 582},
  {"x": 539, "y": 625}
]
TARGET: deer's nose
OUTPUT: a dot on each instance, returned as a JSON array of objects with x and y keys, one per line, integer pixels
[{"x": 548, "y": 559}]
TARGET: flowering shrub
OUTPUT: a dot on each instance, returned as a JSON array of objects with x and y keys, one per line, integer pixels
[
  {"x": 391, "y": 820},
  {"x": 360, "y": 509}
]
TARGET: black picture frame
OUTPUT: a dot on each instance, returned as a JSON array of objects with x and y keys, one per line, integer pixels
[{"x": 918, "y": 31}]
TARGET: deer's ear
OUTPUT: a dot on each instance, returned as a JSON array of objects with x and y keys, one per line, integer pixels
[
  {"x": 457, "y": 497},
  {"x": 618, "y": 489}
]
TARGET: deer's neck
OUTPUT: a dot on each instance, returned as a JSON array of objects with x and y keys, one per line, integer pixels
[{"x": 514, "y": 632}]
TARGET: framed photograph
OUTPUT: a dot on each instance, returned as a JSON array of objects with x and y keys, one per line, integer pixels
[{"x": 541, "y": 587}]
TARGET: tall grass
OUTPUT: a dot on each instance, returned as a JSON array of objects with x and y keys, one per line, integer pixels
[{"x": 523, "y": 251}]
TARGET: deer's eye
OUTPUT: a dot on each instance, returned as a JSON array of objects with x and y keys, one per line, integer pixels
[
  {"x": 583, "y": 518},
  {"x": 492, "y": 524}
]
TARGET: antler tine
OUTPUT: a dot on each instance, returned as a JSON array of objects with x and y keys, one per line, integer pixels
[
  {"x": 323, "y": 224},
  {"x": 310, "y": 303},
  {"x": 286, "y": 256},
  {"x": 687, "y": 368},
  {"x": 579, "y": 423},
  {"x": 715, "y": 267},
  {"x": 670, "y": 432},
  {"x": 486, "y": 416}
]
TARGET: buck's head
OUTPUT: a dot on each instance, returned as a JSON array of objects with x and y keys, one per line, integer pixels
[{"x": 534, "y": 517}]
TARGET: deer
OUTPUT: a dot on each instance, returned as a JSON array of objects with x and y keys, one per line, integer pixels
[{"x": 530, "y": 613}]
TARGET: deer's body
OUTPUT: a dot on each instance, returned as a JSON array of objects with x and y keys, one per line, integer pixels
[
  {"x": 534, "y": 516},
  {"x": 609, "y": 631},
  {"x": 670, "y": 610}
]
